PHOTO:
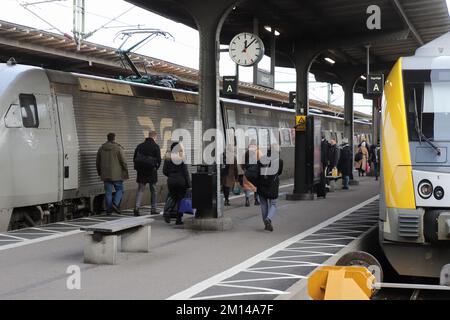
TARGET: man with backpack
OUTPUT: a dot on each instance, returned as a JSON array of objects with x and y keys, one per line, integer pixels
[{"x": 147, "y": 160}]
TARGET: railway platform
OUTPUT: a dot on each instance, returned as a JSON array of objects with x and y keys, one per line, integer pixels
[{"x": 244, "y": 263}]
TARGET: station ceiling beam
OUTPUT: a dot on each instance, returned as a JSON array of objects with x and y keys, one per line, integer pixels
[{"x": 399, "y": 8}]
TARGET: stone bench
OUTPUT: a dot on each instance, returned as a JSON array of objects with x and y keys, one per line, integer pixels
[{"x": 102, "y": 240}]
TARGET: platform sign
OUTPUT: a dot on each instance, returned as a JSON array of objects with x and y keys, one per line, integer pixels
[
  {"x": 375, "y": 83},
  {"x": 300, "y": 123},
  {"x": 230, "y": 85}
]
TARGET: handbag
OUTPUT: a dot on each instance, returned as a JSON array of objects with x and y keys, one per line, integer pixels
[
  {"x": 142, "y": 159},
  {"x": 186, "y": 204}
]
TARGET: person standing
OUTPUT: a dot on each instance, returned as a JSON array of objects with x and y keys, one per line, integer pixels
[
  {"x": 147, "y": 160},
  {"x": 178, "y": 180},
  {"x": 251, "y": 172},
  {"x": 361, "y": 164},
  {"x": 345, "y": 163},
  {"x": 229, "y": 173},
  {"x": 324, "y": 148},
  {"x": 374, "y": 158},
  {"x": 113, "y": 170},
  {"x": 333, "y": 156},
  {"x": 269, "y": 184}
]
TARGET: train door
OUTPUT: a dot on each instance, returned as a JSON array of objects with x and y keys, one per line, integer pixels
[
  {"x": 69, "y": 138},
  {"x": 33, "y": 151}
]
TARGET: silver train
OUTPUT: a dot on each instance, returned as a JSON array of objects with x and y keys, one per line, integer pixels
[{"x": 52, "y": 124}]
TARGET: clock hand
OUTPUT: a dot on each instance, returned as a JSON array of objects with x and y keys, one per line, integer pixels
[{"x": 246, "y": 46}]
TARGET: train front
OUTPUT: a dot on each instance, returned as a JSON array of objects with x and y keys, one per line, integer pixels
[{"x": 415, "y": 197}]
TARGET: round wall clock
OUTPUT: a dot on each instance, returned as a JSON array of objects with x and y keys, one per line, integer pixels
[{"x": 246, "y": 49}]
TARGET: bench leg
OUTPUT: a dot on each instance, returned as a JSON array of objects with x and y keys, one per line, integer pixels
[
  {"x": 100, "y": 252},
  {"x": 137, "y": 241}
]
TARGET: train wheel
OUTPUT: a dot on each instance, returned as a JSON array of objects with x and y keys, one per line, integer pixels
[{"x": 362, "y": 259}]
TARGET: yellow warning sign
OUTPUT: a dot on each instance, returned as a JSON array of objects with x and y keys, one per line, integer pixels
[{"x": 300, "y": 123}]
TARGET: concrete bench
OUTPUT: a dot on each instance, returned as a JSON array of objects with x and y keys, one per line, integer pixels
[
  {"x": 102, "y": 240},
  {"x": 332, "y": 181}
]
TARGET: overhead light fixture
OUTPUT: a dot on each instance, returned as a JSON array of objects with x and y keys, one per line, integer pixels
[
  {"x": 329, "y": 60},
  {"x": 269, "y": 29},
  {"x": 363, "y": 77}
]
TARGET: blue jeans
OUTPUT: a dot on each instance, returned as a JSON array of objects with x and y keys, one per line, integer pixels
[
  {"x": 345, "y": 181},
  {"x": 268, "y": 207},
  {"x": 118, "y": 186}
]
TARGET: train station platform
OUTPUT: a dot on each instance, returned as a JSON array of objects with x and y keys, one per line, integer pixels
[{"x": 243, "y": 263}]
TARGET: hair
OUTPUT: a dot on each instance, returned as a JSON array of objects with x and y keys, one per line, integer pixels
[
  {"x": 152, "y": 134},
  {"x": 111, "y": 136},
  {"x": 173, "y": 145}
]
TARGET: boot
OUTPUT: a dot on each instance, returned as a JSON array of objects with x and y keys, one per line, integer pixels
[
  {"x": 179, "y": 219},
  {"x": 227, "y": 203},
  {"x": 257, "y": 202},
  {"x": 247, "y": 202},
  {"x": 136, "y": 212}
]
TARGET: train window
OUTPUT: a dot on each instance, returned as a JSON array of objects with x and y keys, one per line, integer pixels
[
  {"x": 13, "y": 118},
  {"x": 285, "y": 137},
  {"x": 30, "y": 117},
  {"x": 264, "y": 138},
  {"x": 251, "y": 134}
]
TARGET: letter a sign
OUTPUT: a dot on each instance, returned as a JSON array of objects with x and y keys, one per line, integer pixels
[
  {"x": 375, "y": 84},
  {"x": 230, "y": 86}
]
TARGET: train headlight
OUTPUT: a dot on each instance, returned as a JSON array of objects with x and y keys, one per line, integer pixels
[
  {"x": 425, "y": 189},
  {"x": 438, "y": 193}
]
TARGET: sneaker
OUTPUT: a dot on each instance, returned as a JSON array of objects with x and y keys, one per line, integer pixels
[
  {"x": 109, "y": 213},
  {"x": 345, "y": 188},
  {"x": 154, "y": 211},
  {"x": 179, "y": 222},
  {"x": 136, "y": 212},
  {"x": 116, "y": 209},
  {"x": 247, "y": 202}
]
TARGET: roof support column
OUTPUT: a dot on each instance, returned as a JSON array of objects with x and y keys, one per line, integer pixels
[
  {"x": 303, "y": 58},
  {"x": 209, "y": 16},
  {"x": 376, "y": 120},
  {"x": 349, "y": 78}
]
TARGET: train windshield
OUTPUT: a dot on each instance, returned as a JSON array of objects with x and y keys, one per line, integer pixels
[{"x": 427, "y": 98}]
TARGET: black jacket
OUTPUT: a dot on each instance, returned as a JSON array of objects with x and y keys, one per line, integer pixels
[
  {"x": 345, "y": 164},
  {"x": 333, "y": 156},
  {"x": 147, "y": 173},
  {"x": 269, "y": 184},
  {"x": 177, "y": 174}
]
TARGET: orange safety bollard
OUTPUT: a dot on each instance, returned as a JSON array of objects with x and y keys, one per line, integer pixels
[{"x": 341, "y": 283}]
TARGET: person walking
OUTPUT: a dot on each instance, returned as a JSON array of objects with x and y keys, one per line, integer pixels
[
  {"x": 178, "y": 181},
  {"x": 147, "y": 160},
  {"x": 113, "y": 170},
  {"x": 269, "y": 184},
  {"x": 361, "y": 159},
  {"x": 251, "y": 172},
  {"x": 345, "y": 163}
]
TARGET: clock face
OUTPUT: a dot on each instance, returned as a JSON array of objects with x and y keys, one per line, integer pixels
[{"x": 246, "y": 49}]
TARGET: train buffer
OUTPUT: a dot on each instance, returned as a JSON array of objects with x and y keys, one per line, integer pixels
[
  {"x": 103, "y": 240},
  {"x": 358, "y": 283}
]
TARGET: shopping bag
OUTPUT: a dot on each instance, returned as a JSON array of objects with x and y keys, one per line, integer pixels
[
  {"x": 367, "y": 167},
  {"x": 334, "y": 172},
  {"x": 186, "y": 204},
  {"x": 237, "y": 189}
]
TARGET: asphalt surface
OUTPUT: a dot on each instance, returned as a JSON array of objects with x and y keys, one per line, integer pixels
[{"x": 179, "y": 258}]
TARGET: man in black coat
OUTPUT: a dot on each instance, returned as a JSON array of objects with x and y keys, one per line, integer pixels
[
  {"x": 147, "y": 160},
  {"x": 345, "y": 164},
  {"x": 333, "y": 156}
]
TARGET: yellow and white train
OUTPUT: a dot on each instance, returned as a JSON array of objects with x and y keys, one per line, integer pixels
[{"x": 415, "y": 161}]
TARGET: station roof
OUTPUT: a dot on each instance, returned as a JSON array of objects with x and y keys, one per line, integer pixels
[
  {"x": 49, "y": 50},
  {"x": 339, "y": 24}
]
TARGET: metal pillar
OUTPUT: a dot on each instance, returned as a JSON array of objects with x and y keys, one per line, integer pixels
[
  {"x": 303, "y": 60},
  {"x": 375, "y": 120},
  {"x": 209, "y": 17}
]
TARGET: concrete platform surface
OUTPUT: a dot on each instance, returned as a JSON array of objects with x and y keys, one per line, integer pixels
[{"x": 179, "y": 258}]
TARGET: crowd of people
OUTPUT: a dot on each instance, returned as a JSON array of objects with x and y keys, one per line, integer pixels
[
  {"x": 337, "y": 160},
  {"x": 257, "y": 175}
]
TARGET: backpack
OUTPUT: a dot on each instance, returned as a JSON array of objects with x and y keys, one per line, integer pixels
[
  {"x": 252, "y": 173},
  {"x": 358, "y": 156}
]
